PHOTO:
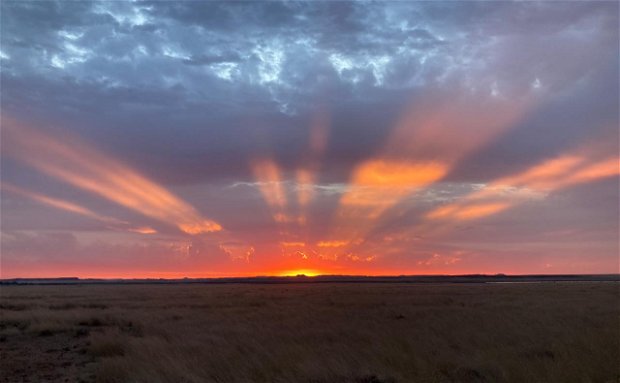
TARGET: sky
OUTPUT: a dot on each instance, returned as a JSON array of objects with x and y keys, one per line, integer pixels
[{"x": 206, "y": 139}]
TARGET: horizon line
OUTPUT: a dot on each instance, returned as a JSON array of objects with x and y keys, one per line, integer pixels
[{"x": 302, "y": 275}]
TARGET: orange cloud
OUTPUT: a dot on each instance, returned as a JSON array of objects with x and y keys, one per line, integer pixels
[
  {"x": 540, "y": 179},
  {"x": 306, "y": 174},
  {"x": 480, "y": 210},
  {"x": 292, "y": 244},
  {"x": 270, "y": 183},
  {"x": 602, "y": 169},
  {"x": 288, "y": 212},
  {"x": 237, "y": 252},
  {"x": 267, "y": 173},
  {"x": 60, "y": 204},
  {"x": 378, "y": 184},
  {"x": 450, "y": 126},
  {"x": 562, "y": 172},
  {"x": 436, "y": 259},
  {"x": 73, "y": 161},
  {"x": 468, "y": 210},
  {"x": 143, "y": 230},
  {"x": 429, "y": 139},
  {"x": 305, "y": 192},
  {"x": 544, "y": 175},
  {"x": 285, "y": 218},
  {"x": 332, "y": 243}
]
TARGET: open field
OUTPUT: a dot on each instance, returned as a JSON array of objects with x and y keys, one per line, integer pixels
[{"x": 319, "y": 333}]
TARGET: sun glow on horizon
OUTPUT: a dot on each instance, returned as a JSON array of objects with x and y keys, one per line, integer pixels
[{"x": 300, "y": 272}]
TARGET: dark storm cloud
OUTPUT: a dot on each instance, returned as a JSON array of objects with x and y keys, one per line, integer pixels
[{"x": 254, "y": 67}]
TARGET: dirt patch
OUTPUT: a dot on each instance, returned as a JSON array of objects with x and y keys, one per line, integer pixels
[{"x": 54, "y": 357}]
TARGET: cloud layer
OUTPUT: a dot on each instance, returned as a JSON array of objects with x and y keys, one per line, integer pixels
[{"x": 342, "y": 137}]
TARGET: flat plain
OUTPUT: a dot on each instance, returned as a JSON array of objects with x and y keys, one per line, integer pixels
[{"x": 311, "y": 332}]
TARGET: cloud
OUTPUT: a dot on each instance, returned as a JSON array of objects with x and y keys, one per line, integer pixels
[
  {"x": 237, "y": 251},
  {"x": 53, "y": 254},
  {"x": 336, "y": 121},
  {"x": 556, "y": 173},
  {"x": 437, "y": 259},
  {"x": 267, "y": 174},
  {"x": 212, "y": 59},
  {"x": 84, "y": 167},
  {"x": 143, "y": 230},
  {"x": 293, "y": 244},
  {"x": 61, "y": 204},
  {"x": 332, "y": 243}
]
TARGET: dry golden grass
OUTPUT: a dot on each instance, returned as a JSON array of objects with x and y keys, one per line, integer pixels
[{"x": 320, "y": 333}]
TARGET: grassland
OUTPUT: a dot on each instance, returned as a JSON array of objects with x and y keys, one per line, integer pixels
[{"x": 315, "y": 333}]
